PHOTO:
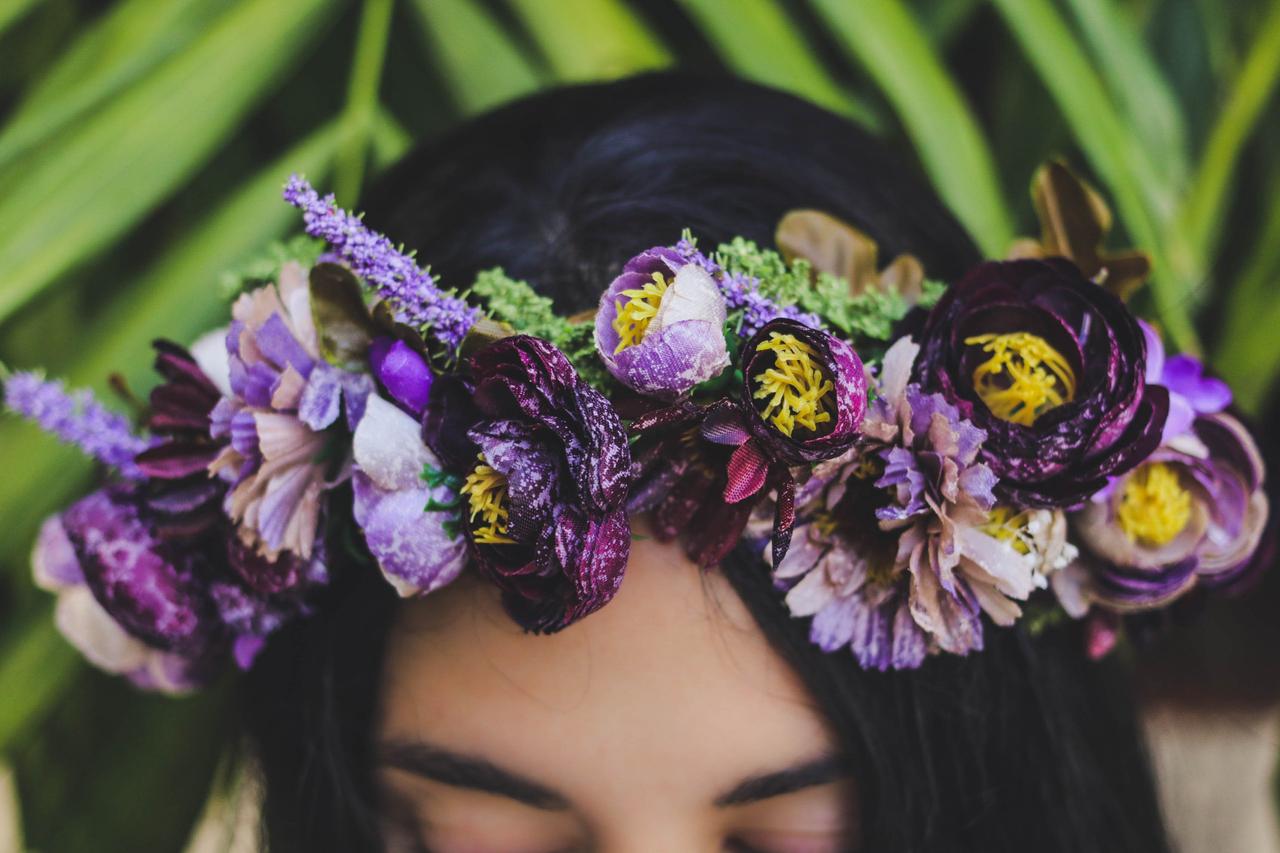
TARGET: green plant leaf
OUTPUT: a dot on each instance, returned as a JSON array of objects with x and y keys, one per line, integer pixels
[
  {"x": 361, "y": 110},
  {"x": 1138, "y": 85},
  {"x": 760, "y": 42},
  {"x": 886, "y": 40},
  {"x": 95, "y": 182},
  {"x": 585, "y": 40},
  {"x": 112, "y": 53},
  {"x": 482, "y": 64},
  {"x": 12, "y": 11},
  {"x": 1144, "y": 203},
  {"x": 36, "y": 665},
  {"x": 1205, "y": 207}
]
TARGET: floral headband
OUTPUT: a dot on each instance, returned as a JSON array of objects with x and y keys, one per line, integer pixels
[{"x": 907, "y": 457}]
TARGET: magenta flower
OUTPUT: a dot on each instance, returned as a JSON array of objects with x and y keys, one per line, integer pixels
[
  {"x": 547, "y": 470},
  {"x": 1051, "y": 367},
  {"x": 660, "y": 325}
]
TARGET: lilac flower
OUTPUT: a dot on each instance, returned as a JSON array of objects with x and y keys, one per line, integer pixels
[
  {"x": 402, "y": 515},
  {"x": 395, "y": 276},
  {"x": 1180, "y": 520},
  {"x": 548, "y": 471},
  {"x": 1191, "y": 393},
  {"x": 284, "y": 399},
  {"x": 1051, "y": 367},
  {"x": 743, "y": 292},
  {"x": 660, "y": 326},
  {"x": 76, "y": 418}
]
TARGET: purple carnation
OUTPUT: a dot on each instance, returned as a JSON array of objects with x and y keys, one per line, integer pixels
[{"x": 547, "y": 471}]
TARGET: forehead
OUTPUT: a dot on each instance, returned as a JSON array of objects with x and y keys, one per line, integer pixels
[{"x": 672, "y": 674}]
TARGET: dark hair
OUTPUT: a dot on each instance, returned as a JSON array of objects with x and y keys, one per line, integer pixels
[{"x": 1024, "y": 746}]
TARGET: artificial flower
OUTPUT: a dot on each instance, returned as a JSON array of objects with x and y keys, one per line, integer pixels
[
  {"x": 1051, "y": 367},
  {"x": 402, "y": 515},
  {"x": 548, "y": 468},
  {"x": 660, "y": 326},
  {"x": 284, "y": 398}
]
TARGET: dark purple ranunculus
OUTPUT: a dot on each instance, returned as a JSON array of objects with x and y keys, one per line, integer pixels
[
  {"x": 701, "y": 470},
  {"x": 547, "y": 471},
  {"x": 1051, "y": 366}
]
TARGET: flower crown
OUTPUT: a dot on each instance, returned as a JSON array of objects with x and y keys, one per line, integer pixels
[{"x": 907, "y": 457}]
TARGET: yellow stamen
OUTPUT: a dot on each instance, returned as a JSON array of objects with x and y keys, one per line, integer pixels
[
  {"x": 486, "y": 492},
  {"x": 1008, "y": 525},
  {"x": 1024, "y": 378},
  {"x": 1154, "y": 507},
  {"x": 797, "y": 391},
  {"x": 634, "y": 315}
]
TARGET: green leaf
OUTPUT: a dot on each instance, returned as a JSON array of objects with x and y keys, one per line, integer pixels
[
  {"x": 94, "y": 183},
  {"x": 36, "y": 665},
  {"x": 482, "y": 64},
  {"x": 112, "y": 53},
  {"x": 177, "y": 298},
  {"x": 362, "y": 99},
  {"x": 12, "y": 11},
  {"x": 887, "y": 41},
  {"x": 1205, "y": 207},
  {"x": 1138, "y": 85},
  {"x": 585, "y": 40},
  {"x": 1144, "y": 203},
  {"x": 761, "y": 43}
]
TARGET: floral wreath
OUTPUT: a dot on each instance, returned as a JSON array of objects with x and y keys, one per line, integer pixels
[{"x": 907, "y": 456}]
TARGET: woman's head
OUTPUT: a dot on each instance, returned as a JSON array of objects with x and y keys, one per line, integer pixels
[{"x": 639, "y": 723}]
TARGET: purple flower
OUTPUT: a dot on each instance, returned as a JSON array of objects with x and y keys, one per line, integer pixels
[
  {"x": 403, "y": 372},
  {"x": 94, "y": 632},
  {"x": 76, "y": 418},
  {"x": 743, "y": 292},
  {"x": 410, "y": 290},
  {"x": 1051, "y": 367},
  {"x": 1179, "y": 520},
  {"x": 1191, "y": 393},
  {"x": 284, "y": 399},
  {"x": 547, "y": 470},
  {"x": 660, "y": 326},
  {"x": 400, "y": 513}
]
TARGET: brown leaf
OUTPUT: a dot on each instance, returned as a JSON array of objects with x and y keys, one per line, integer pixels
[
  {"x": 344, "y": 327},
  {"x": 830, "y": 245}
]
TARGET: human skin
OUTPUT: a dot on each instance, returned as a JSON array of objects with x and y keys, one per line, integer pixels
[{"x": 663, "y": 722}]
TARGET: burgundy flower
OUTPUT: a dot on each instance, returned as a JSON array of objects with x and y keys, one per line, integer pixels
[
  {"x": 1051, "y": 366},
  {"x": 547, "y": 470},
  {"x": 701, "y": 470}
]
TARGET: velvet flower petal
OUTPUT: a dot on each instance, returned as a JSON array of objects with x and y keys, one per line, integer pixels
[
  {"x": 546, "y": 483},
  {"x": 1051, "y": 367},
  {"x": 399, "y": 512},
  {"x": 660, "y": 325}
]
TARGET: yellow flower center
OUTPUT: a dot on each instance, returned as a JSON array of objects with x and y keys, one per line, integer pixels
[
  {"x": 1154, "y": 507},
  {"x": 1024, "y": 377},
  {"x": 797, "y": 392},
  {"x": 1008, "y": 525},
  {"x": 486, "y": 492},
  {"x": 637, "y": 312}
]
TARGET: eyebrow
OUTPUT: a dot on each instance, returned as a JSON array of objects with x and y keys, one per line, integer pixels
[
  {"x": 469, "y": 772},
  {"x": 477, "y": 774},
  {"x": 808, "y": 774}
]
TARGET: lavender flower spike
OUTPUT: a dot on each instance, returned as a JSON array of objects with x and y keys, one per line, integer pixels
[
  {"x": 394, "y": 275},
  {"x": 75, "y": 417}
]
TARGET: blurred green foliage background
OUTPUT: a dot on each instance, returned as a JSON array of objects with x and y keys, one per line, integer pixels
[{"x": 143, "y": 144}]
